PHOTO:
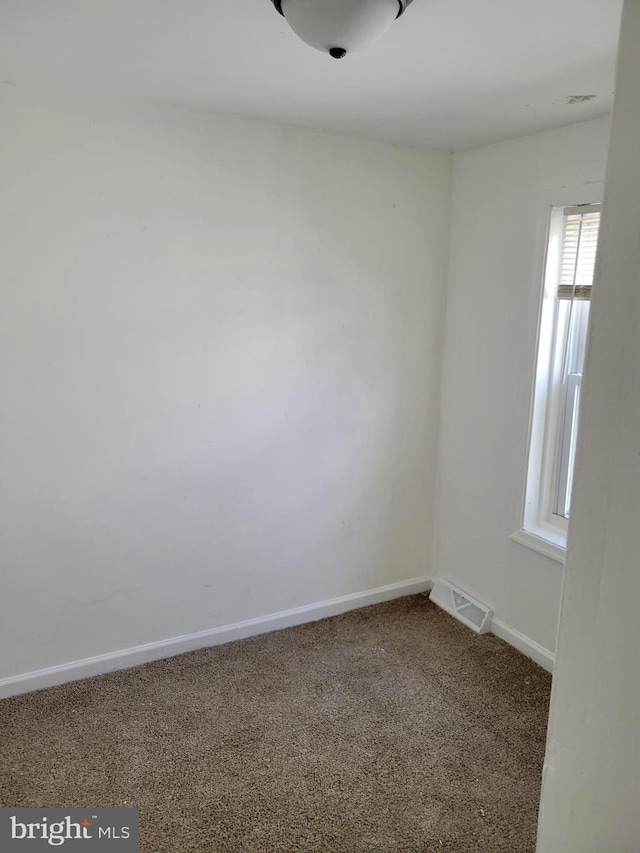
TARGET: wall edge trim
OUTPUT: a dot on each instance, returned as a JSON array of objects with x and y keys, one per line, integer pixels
[
  {"x": 524, "y": 644},
  {"x": 135, "y": 656}
]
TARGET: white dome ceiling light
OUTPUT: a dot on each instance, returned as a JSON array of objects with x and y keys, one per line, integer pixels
[{"x": 339, "y": 27}]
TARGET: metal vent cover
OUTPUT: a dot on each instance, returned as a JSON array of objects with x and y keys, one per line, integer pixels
[{"x": 461, "y": 606}]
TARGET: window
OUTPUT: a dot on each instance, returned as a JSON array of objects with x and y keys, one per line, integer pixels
[{"x": 564, "y": 324}]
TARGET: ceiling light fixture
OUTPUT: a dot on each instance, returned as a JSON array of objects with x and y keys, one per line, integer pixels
[{"x": 339, "y": 27}]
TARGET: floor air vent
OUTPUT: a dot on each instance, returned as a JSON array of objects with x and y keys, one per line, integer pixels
[{"x": 465, "y": 608}]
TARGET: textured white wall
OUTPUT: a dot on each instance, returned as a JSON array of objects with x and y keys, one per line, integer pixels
[
  {"x": 497, "y": 246},
  {"x": 592, "y": 770},
  {"x": 220, "y": 364}
]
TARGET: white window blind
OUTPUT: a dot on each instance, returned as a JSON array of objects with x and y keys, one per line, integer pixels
[{"x": 579, "y": 248}]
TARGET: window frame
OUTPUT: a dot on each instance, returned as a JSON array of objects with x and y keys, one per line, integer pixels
[
  {"x": 538, "y": 527},
  {"x": 576, "y": 335}
]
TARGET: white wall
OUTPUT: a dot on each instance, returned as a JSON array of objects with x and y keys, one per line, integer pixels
[
  {"x": 592, "y": 767},
  {"x": 220, "y": 364},
  {"x": 497, "y": 250}
]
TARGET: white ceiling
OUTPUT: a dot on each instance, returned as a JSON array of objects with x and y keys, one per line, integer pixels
[{"x": 450, "y": 74}]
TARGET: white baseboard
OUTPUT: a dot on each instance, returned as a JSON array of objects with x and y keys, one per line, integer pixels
[
  {"x": 524, "y": 644},
  {"x": 127, "y": 658}
]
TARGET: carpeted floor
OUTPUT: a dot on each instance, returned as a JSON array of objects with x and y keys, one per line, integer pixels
[{"x": 392, "y": 728}]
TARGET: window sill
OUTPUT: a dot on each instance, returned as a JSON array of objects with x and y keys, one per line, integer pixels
[{"x": 541, "y": 543}]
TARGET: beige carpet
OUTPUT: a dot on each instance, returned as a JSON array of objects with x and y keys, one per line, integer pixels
[{"x": 391, "y": 728}]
